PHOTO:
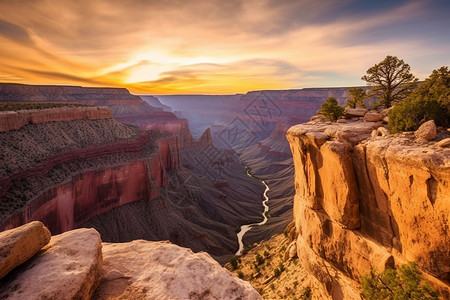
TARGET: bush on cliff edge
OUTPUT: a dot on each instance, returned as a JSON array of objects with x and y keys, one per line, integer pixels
[
  {"x": 331, "y": 110},
  {"x": 405, "y": 282},
  {"x": 430, "y": 101}
]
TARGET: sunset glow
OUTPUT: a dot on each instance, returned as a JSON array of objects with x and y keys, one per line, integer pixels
[{"x": 216, "y": 47}]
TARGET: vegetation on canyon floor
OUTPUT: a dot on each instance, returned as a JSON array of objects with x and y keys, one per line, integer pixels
[
  {"x": 271, "y": 273},
  {"x": 14, "y": 106},
  {"x": 404, "y": 282}
]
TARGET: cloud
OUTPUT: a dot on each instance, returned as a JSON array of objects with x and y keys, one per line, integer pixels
[
  {"x": 15, "y": 33},
  {"x": 215, "y": 44}
]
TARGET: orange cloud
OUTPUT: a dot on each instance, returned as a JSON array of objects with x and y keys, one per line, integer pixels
[{"x": 210, "y": 46}]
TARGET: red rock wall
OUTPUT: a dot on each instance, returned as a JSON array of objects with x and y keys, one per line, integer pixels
[
  {"x": 15, "y": 120},
  {"x": 66, "y": 206}
]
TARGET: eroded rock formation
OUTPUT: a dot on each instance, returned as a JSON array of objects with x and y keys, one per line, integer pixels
[
  {"x": 14, "y": 120},
  {"x": 161, "y": 270},
  {"x": 77, "y": 265},
  {"x": 125, "y": 107},
  {"x": 63, "y": 173},
  {"x": 367, "y": 201}
]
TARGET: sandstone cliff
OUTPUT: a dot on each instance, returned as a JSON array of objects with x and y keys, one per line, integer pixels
[{"x": 364, "y": 200}]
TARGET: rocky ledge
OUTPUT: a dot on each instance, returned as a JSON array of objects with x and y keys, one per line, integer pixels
[
  {"x": 77, "y": 265},
  {"x": 14, "y": 120},
  {"x": 368, "y": 199}
]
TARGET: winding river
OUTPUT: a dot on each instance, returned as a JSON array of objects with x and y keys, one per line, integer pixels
[{"x": 245, "y": 228}]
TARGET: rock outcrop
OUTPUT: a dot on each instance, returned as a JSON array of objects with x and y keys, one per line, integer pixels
[
  {"x": 14, "y": 120},
  {"x": 161, "y": 270},
  {"x": 17, "y": 246},
  {"x": 366, "y": 202},
  {"x": 67, "y": 268},
  {"x": 77, "y": 265},
  {"x": 426, "y": 131}
]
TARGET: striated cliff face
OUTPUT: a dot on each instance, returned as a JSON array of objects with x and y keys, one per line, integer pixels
[
  {"x": 125, "y": 107},
  {"x": 14, "y": 120},
  {"x": 364, "y": 200},
  {"x": 64, "y": 173}
]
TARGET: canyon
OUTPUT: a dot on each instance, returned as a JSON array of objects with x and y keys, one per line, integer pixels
[
  {"x": 79, "y": 166},
  {"x": 348, "y": 195}
]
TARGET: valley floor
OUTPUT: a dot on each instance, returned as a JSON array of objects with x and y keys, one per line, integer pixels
[{"x": 274, "y": 275}]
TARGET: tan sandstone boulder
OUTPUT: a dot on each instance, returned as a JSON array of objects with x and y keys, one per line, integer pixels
[
  {"x": 355, "y": 112},
  {"x": 426, "y": 131},
  {"x": 19, "y": 244},
  {"x": 161, "y": 270},
  {"x": 67, "y": 268},
  {"x": 444, "y": 143},
  {"x": 373, "y": 117}
]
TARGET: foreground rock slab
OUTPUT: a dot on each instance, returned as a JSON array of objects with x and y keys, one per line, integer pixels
[
  {"x": 161, "y": 270},
  {"x": 67, "y": 268},
  {"x": 19, "y": 244}
]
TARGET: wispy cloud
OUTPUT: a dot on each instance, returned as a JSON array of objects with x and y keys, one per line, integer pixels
[{"x": 216, "y": 46}]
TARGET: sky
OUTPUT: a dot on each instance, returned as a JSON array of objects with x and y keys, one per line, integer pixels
[{"x": 217, "y": 46}]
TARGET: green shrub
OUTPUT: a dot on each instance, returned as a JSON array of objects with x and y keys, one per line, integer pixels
[
  {"x": 430, "y": 101},
  {"x": 356, "y": 98},
  {"x": 411, "y": 112},
  {"x": 306, "y": 294},
  {"x": 234, "y": 262},
  {"x": 331, "y": 110},
  {"x": 400, "y": 284},
  {"x": 259, "y": 259},
  {"x": 276, "y": 272}
]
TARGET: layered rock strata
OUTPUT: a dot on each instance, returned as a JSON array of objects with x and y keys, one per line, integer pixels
[
  {"x": 14, "y": 120},
  {"x": 125, "y": 107},
  {"x": 63, "y": 173},
  {"x": 366, "y": 199}
]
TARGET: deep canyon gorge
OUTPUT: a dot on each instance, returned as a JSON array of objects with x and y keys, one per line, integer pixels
[{"x": 349, "y": 194}]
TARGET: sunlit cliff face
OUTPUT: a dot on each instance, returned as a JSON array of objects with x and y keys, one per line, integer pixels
[{"x": 215, "y": 47}]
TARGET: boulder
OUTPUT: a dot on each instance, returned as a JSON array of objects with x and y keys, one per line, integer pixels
[
  {"x": 293, "y": 249},
  {"x": 383, "y": 131},
  {"x": 426, "y": 131},
  {"x": 355, "y": 112},
  {"x": 67, "y": 268},
  {"x": 19, "y": 244},
  {"x": 161, "y": 270},
  {"x": 373, "y": 117},
  {"x": 443, "y": 143},
  {"x": 318, "y": 118}
]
